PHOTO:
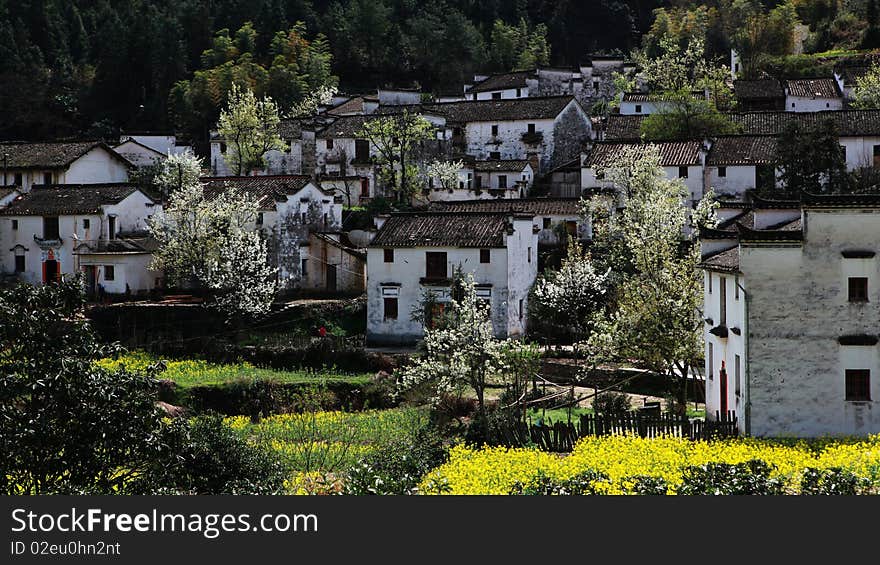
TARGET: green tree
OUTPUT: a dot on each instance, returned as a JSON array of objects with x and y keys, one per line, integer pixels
[
  {"x": 867, "y": 90},
  {"x": 519, "y": 47},
  {"x": 67, "y": 425},
  {"x": 682, "y": 115},
  {"x": 250, "y": 128},
  {"x": 811, "y": 160},
  {"x": 396, "y": 138}
]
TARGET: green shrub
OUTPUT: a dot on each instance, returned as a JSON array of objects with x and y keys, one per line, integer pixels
[
  {"x": 646, "y": 485},
  {"x": 584, "y": 483},
  {"x": 832, "y": 481},
  {"x": 397, "y": 467},
  {"x": 611, "y": 403},
  {"x": 751, "y": 477}
]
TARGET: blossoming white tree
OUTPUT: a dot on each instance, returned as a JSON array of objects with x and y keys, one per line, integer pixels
[{"x": 211, "y": 242}]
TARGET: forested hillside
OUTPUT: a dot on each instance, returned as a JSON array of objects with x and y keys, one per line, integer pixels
[{"x": 94, "y": 67}]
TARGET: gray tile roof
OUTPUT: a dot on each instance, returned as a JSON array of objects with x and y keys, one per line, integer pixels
[
  {"x": 442, "y": 229},
  {"x": 726, "y": 260},
  {"x": 56, "y": 155},
  {"x": 742, "y": 150},
  {"x": 500, "y": 166},
  {"x": 621, "y": 127},
  {"x": 61, "y": 200},
  {"x": 655, "y": 96},
  {"x": 759, "y": 89},
  {"x": 502, "y": 81},
  {"x": 345, "y": 127},
  {"x": 533, "y": 206},
  {"x": 266, "y": 189},
  {"x": 532, "y": 108},
  {"x": 672, "y": 153},
  {"x": 849, "y": 123},
  {"x": 813, "y": 87}
]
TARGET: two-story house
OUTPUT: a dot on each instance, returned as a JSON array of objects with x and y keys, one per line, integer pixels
[
  {"x": 790, "y": 312},
  {"x": 98, "y": 229},
  {"x": 417, "y": 253}
]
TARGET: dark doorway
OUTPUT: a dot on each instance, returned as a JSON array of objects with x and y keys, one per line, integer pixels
[
  {"x": 331, "y": 278},
  {"x": 722, "y": 380},
  {"x": 50, "y": 271}
]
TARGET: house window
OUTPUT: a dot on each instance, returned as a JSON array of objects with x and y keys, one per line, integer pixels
[
  {"x": 531, "y": 128},
  {"x": 109, "y": 273},
  {"x": 303, "y": 216},
  {"x": 736, "y": 287},
  {"x": 520, "y": 308},
  {"x": 47, "y": 178},
  {"x": 14, "y": 224},
  {"x": 711, "y": 359},
  {"x": 389, "y": 255},
  {"x": 17, "y": 179},
  {"x": 19, "y": 263},
  {"x": 530, "y": 254},
  {"x": 86, "y": 223},
  {"x": 737, "y": 379},
  {"x": 638, "y": 108},
  {"x": 722, "y": 301},
  {"x": 502, "y": 181},
  {"x": 858, "y": 384},
  {"x": 222, "y": 148},
  {"x": 827, "y": 105},
  {"x": 304, "y": 268},
  {"x": 858, "y": 289},
  {"x": 682, "y": 172},
  {"x": 485, "y": 255},
  {"x": 365, "y": 188},
  {"x": 518, "y": 92},
  {"x": 494, "y": 131},
  {"x": 496, "y": 96},
  {"x": 843, "y": 152},
  {"x": 50, "y": 228},
  {"x": 111, "y": 227},
  {"x": 595, "y": 86},
  {"x": 792, "y": 104},
  {"x": 435, "y": 265},
  {"x": 361, "y": 150},
  {"x": 495, "y": 155},
  {"x": 710, "y": 282},
  {"x": 722, "y": 172},
  {"x": 390, "y": 308},
  {"x": 329, "y": 144},
  {"x": 571, "y": 227},
  {"x": 259, "y": 218},
  {"x": 876, "y": 156},
  {"x": 546, "y": 224}
]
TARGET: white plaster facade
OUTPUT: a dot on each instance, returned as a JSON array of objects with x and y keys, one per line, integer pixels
[
  {"x": 96, "y": 166},
  {"x": 812, "y": 104}
]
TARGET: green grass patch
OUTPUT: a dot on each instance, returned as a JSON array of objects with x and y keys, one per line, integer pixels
[{"x": 189, "y": 373}]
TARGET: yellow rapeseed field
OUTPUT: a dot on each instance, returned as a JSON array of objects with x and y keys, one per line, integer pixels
[{"x": 493, "y": 470}]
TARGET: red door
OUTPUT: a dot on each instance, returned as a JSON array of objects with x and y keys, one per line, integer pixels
[{"x": 722, "y": 379}]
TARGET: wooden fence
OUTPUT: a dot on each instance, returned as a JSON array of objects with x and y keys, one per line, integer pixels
[{"x": 561, "y": 436}]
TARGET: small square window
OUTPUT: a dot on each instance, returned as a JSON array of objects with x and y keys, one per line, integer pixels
[
  {"x": 518, "y": 92},
  {"x": 494, "y": 130},
  {"x": 389, "y": 255},
  {"x": 858, "y": 289},
  {"x": 502, "y": 181},
  {"x": 638, "y": 108},
  {"x": 722, "y": 172},
  {"x": 496, "y": 155},
  {"x": 546, "y": 224},
  {"x": 496, "y": 96},
  {"x": 858, "y": 384},
  {"x": 329, "y": 144},
  {"x": 485, "y": 255},
  {"x": 109, "y": 272},
  {"x": 14, "y": 224},
  {"x": 531, "y": 128},
  {"x": 682, "y": 172},
  {"x": 86, "y": 223},
  {"x": 792, "y": 104},
  {"x": 47, "y": 178},
  {"x": 18, "y": 179},
  {"x": 259, "y": 218}
]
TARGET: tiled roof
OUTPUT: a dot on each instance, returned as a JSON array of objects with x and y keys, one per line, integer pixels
[
  {"x": 624, "y": 127},
  {"x": 726, "y": 260},
  {"x": 442, "y": 229},
  {"x": 791, "y": 232},
  {"x": 532, "y": 108},
  {"x": 849, "y": 123},
  {"x": 672, "y": 153},
  {"x": 345, "y": 127},
  {"x": 746, "y": 219},
  {"x": 851, "y": 74},
  {"x": 655, "y": 96},
  {"x": 60, "y": 200},
  {"x": 533, "y": 206},
  {"x": 500, "y": 166},
  {"x": 758, "y": 89},
  {"x": 813, "y": 88},
  {"x": 136, "y": 245},
  {"x": 502, "y": 82},
  {"x": 352, "y": 106},
  {"x": 742, "y": 150},
  {"x": 841, "y": 200},
  {"x": 266, "y": 189},
  {"x": 49, "y": 155}
]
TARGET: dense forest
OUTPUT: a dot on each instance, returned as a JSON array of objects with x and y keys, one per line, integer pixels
[{"x": 97, "y": 67}]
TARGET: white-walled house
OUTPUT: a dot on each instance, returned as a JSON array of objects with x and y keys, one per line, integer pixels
[
  {"x": 139, "y": 154},
  {"x": 298, "y": 158},
  {"x": 416, "y": 253},
  {"x": 812, "y": 95},
  {"x": 290, "y": 209},
  {"x": 738, "y": 163},
  {"x": 791, "y": 317},
  {"x": 550, "y": 216},
  {"x": 161, "y": 142},
  {"x": 682, "y": 160},
  {"x": 82, "y": 162},
  {"x": 345, "y": 161},
  {"x": 489, "y": 180},
  {"x": 646, "y": 103},
  {"x": 500, "y": 86},
  {"x": 98, "y": 229},
  {"x": 545, "y": 131}
]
